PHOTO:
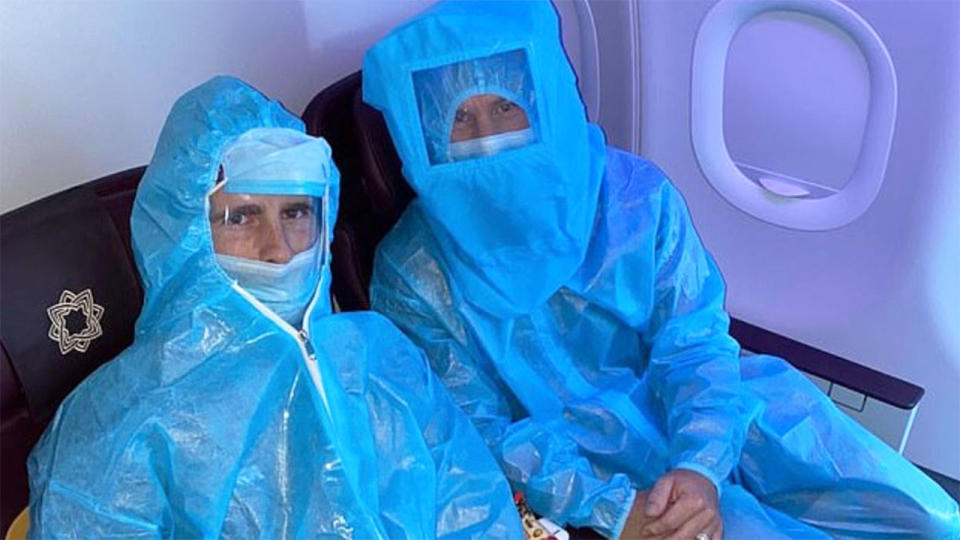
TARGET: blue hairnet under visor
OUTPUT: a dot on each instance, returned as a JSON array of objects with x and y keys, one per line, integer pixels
[
  {"x": 276, "y": 187},
  {"x": 278, "y": 161}
]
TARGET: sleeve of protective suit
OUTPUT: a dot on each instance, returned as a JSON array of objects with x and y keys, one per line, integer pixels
[
  {"x": 465, "y": 478},
  {"x": 70, "y": 513},
  {"x": 544, "y": 463},
  {"x": 79, "y": 489},
  {"x": 694, "y": 363}
]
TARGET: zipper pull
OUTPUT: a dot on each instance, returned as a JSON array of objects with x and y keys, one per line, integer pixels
[{"x": 305, "y": 339}]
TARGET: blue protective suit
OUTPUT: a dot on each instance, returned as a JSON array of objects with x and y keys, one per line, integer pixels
[
  {"x": 219, "y": 421},
  {"x": 561, "y": 293}
]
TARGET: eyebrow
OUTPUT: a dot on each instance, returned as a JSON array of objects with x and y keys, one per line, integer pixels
[
  {"x": 299, "y": 205},
  {"x": 248, "y": 209}
]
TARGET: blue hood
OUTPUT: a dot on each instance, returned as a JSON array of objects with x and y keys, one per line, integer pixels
[
  {"x": 170, "y": 225},
  {"x": 514, "y": 226}
]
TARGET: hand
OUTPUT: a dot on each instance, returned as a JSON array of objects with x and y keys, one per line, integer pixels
[
  {"x": 637, "y": 521},
  {"x": 681, "y": 505}
]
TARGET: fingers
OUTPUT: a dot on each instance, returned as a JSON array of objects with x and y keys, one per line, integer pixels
[
  {"x": 678, "y": 514},
  {"x": 636, "y": 518},
  {"x": 659, "y": 496},
  {"x": 702, "y": 521},
  {"x": 715, "y": 530}
]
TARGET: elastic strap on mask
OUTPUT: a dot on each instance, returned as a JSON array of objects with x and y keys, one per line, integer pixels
[{"x": 490, "y": 145}]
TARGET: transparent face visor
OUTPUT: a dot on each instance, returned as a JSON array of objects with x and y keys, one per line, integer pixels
[
  {"x": 271, "y": 245},
  {"x": 477, "y": 108}
]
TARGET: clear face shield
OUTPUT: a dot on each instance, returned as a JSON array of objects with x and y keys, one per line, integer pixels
[
  {"x": 267, "y": 218},
  {"x": 476, "y": 108}
]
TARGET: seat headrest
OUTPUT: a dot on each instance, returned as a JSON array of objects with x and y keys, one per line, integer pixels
[
  {"x": 373, "y": 192},
  {"x": 380, "y": 167},
  {"x": 70, "y": 290}
]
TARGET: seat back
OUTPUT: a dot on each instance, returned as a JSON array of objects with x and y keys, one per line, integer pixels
[
  {"x": 373, "y": 192},
  {"x": 70, "y": 297}
]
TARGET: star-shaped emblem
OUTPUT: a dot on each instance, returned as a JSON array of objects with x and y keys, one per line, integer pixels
[{"x": 70, "y": 302}]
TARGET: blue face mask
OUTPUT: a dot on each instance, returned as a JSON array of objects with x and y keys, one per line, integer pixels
[
  {"x": 285, "y": 289},
  {"x": 490, "y": 145}
]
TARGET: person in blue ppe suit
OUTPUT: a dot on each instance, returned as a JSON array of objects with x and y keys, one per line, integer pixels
[
  {"x": 244, "y": 408},
  {"x": 561, "y": 293}
]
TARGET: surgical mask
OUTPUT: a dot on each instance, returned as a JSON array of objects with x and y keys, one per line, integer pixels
[
  {"x": 285, "y": 289},
  {"x": 490, "y": 145}
]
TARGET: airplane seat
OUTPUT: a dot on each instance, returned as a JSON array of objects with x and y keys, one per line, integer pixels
[
  {"x": 374, "y": 194},
  {"x": 70, "y": 297}
]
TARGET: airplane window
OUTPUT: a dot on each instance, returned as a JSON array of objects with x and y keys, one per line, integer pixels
[
  {"x": 795, "y": 104},
  {"x": 792, "y": 110}
]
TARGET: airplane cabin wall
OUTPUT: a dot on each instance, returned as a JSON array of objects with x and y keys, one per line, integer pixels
[
  {"x": 883, "y": 290},
  {"x": 85, "y": 86}
]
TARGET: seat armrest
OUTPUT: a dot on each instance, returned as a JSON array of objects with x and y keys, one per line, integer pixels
[{"x": 831, "y": 367}]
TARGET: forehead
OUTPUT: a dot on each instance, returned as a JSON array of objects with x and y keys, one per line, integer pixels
[
  {"x": 482, "y": 101},
  {"x": 222, "y": 199}
]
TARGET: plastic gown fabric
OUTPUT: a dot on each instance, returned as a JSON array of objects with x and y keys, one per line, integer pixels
[
  {"x": 218, "y": 421},
  {"x": 593, "y": 377}
]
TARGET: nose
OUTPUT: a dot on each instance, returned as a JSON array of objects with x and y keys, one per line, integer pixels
[
  {"x": 486, "y": 125},
  {"x": 274, "y": 247}
]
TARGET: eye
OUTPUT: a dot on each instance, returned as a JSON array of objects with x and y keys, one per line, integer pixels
[
  {"x": 237, "y": 219},
  {"x": 462, "y": 117},
  {"x": 241, "y": 216},
  {"x": 297, "y": 211},
  {"x": 507, "y": 109}
]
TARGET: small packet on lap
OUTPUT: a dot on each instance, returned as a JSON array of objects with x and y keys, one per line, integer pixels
[{"x": 535, "y": 528}]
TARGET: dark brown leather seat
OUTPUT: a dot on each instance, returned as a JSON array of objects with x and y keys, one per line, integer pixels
[
  {"x": 53, "y": 333},
  {"x": 373, "y": 192}
]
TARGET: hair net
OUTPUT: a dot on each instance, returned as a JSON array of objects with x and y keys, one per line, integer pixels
[{"x": 277, "y": 161}]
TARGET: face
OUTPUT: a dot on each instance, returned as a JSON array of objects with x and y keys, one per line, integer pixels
[
  {"x": 487, "y": 114},
  {"x": 270, "y": 228}
]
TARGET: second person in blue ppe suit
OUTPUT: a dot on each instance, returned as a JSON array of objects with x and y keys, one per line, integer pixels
[
  {"x": 244, "y": 408},
  {"x": 560, "y": 291}
]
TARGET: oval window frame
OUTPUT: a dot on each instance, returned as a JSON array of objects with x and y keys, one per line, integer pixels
[{"x": 711, "y": 47}]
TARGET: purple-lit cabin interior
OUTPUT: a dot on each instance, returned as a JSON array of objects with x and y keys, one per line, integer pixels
[{"x": 816, "y": 142}]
